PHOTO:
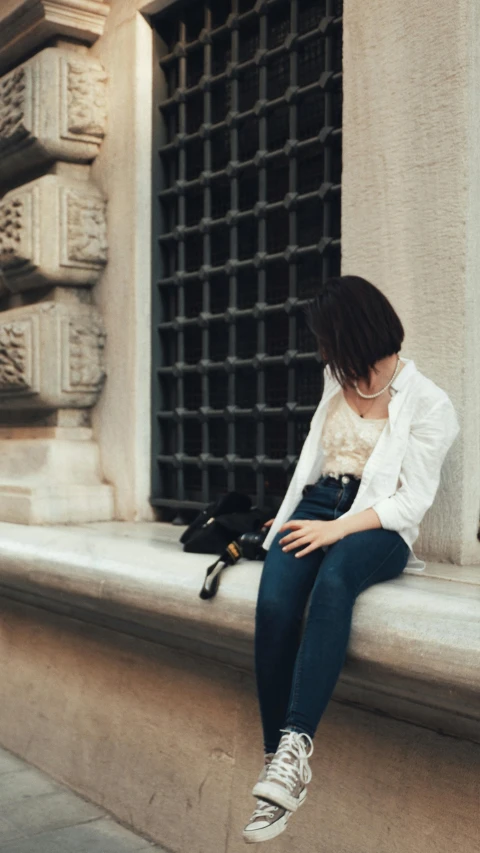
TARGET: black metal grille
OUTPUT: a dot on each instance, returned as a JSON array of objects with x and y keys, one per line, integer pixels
[{"x": 249, "y": 204}]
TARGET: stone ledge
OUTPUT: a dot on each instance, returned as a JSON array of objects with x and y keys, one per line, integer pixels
[{"x": 415, "y": 643}]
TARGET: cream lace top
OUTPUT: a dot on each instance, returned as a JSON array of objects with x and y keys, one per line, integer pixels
[{"x": 348, "y": 439}]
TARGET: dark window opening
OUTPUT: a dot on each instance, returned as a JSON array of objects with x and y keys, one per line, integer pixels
[{"x": 247, "y": 225}]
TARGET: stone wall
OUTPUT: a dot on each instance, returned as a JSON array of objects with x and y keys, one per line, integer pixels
[
  {"x": 121, "y": 682},
  {"x": 53, "y": 250},
  {"x": 410, "y": 212},
  {"x": 171, "y": 744}
]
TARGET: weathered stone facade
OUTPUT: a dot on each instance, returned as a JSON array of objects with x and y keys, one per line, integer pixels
[{"x": 53, "y": 249}]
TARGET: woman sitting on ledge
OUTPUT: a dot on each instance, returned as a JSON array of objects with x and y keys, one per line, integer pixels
[{"x": 368, "y": 471}]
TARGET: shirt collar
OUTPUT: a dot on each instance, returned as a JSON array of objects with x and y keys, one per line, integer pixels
[
  {"x": 404, "y": 375},
  {"x": 399, "y": 382}
]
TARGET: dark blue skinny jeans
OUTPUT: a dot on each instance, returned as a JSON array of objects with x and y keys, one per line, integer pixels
[{"x": 296, "y": 674}]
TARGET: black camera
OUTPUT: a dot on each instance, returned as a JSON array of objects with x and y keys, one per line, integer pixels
[{"x": 251, "y": 544}]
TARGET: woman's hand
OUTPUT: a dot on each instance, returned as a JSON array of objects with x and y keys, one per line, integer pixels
[
  {"x": 269, "y": 522},
  {"x": 315, "y": 534}
]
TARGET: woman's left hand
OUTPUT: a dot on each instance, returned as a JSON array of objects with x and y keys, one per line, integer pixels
[{"x": 314, "y": 534}]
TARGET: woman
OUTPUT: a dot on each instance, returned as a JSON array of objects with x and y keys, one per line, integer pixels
[{"x": 368, "y": 471}]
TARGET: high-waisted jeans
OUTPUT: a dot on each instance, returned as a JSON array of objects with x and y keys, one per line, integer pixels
[{"x": 296, "y": 674}]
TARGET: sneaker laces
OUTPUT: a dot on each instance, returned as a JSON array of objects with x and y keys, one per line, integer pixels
[
  {"x": 293, "y": 745},
  {"x": 265, "y": 810}
]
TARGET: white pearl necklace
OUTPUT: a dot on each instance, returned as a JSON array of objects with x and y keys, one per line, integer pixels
[{"x": 372, "y": 396}]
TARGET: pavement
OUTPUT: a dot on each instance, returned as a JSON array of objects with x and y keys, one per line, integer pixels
[{"x": 37, "y": 815}]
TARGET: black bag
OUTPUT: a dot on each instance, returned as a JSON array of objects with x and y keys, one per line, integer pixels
[{"x": 230, "y": 527}]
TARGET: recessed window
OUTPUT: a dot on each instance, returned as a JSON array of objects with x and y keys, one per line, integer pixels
[{"x": 249, "y": 198}]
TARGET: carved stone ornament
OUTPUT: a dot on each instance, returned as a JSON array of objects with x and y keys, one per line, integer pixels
[
  {"x": 26, "y": 25},
  {"x": 15, "y": 103},
  {"x": 16, "y": 230},
  {"x": 85, "y": 241},
  {"x": 85, "y": 100},
  {"x": 52, "y": 231},
  {"x": 34, "y": 340},
  {"x": 82, "y": 348},
  {"x": 53, "y": 107},
  {"x": 18, "y": 340}
]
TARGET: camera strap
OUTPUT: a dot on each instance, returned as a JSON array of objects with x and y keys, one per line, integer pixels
[{"x": 230, "y": 556}]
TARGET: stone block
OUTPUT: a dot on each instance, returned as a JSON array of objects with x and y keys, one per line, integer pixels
[
  {"x": 52, "y": 231},
  {"x": 170, "y": 743},
  {"x": 52, "y": 481},
  {"x": 51, "y": 108},
  {"x": 51, "y": 357},
  {"x": 27, "y": 24}
]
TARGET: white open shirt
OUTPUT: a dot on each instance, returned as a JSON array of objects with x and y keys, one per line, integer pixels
[{"x": 402, "y": 474}]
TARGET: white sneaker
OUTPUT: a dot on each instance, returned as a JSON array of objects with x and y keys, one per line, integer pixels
[
  {"x": 268, "y": 758},
  {"x": 266, "y": 822},
  {"x": 286, "y": 776}
]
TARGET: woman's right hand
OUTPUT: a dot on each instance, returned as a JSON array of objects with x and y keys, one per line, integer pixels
[{"x": 269, "y": 523}]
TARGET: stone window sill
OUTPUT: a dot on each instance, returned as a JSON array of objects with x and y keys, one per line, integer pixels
[{"x": 415, "y": 645}]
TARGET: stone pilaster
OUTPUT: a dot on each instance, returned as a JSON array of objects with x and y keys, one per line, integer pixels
[
  {"x": 53, "y": 249},
  {"x": 51, "y": 373}
]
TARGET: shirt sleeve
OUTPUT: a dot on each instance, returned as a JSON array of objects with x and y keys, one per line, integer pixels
[{"x": 429, "y": 441}]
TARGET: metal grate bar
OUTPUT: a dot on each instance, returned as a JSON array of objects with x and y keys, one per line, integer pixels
[
  {"x": 207, "y": 249},
  {"x": 262, "y": 248},
  {"x": 290, "y": 254},
  {"x": 328, "y": 135},
  {"x": 234, "y": 21},
  {"x": 181, "y": 265},
  {"x": 292, "y": 220},
  {"x": 326, "y": 82},
  {"x": 233, "y": 270}
]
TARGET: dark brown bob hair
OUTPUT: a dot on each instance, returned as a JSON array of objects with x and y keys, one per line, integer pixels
[{"x": 355, "y": 326}]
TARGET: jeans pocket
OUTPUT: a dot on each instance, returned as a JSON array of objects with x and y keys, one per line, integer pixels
[{"x": 307, "y": 488}]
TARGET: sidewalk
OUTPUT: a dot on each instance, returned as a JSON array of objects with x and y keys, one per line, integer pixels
[{"x": 37, "y": 815}]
